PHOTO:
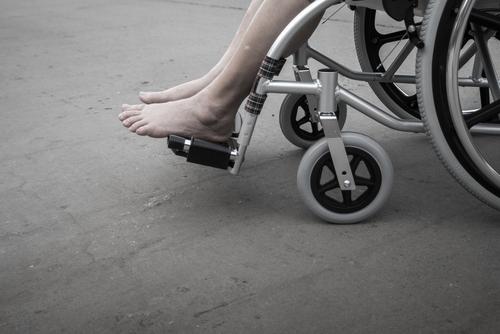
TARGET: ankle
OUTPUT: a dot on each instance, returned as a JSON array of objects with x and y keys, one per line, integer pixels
[{"x": 215, "y": 116}]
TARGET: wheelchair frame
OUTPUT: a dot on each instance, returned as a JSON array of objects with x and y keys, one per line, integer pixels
[{"x": 323, "y": 95}]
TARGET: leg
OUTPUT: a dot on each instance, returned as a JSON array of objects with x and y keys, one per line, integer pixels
[
  {"x": 193, "y": 87},
  {"x": 209, "y": 114}
]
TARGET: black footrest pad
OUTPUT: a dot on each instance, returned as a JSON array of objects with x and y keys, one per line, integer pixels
[
  {"x": 210, "y": 154},
  {"x": 176, "y": 142}
]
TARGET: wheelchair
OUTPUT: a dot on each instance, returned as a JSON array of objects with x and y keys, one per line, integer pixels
[{"x": 453, "y": 95}]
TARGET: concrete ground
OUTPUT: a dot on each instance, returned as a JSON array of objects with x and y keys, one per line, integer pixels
[{"x": 103, "y": 231}]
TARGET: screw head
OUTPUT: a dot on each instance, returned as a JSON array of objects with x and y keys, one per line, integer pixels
[{"x": 347, "y": 183}]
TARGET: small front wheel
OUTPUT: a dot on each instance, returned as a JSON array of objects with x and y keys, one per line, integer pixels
[
  {"x": 319, "y": 188},
  {"x": 297, "y": 124}
]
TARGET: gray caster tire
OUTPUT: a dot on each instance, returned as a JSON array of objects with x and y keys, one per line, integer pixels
[
  {"x": 297, "y": 125},
  {"x": 372, "y": 171}
]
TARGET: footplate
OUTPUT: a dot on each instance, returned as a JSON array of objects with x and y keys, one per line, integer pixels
[{"x": 202, "y": 152}]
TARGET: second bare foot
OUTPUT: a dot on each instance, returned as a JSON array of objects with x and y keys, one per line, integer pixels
[{"x": 180, "y": 92}]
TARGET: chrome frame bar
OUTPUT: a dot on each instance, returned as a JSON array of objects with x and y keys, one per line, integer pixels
[{"x": 327, "y": 105}]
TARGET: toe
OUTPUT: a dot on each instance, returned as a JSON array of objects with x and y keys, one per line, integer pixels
[
  {"x": 142, "y": 131},
  {"x": 152, "y": 97},
  {"x": 149, "y": 130},
  {"x": 138, "y": 125},
  {"x": 127, "y": 114},
  {"x": 128, "y": 122},
  {"x": 137, "y": 107},
  {"x": 127, "y": 107}
]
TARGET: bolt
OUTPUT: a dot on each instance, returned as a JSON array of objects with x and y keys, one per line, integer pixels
[
  {"x": 411, "y": 28},
  {"x": 347, "y": 183}
]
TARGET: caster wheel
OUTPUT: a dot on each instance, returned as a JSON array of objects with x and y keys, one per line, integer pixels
[
  {"x": 296, "y": 122},
  {"x": 319, "y": 188}
]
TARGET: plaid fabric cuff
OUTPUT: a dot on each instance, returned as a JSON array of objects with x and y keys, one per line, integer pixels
[{"x": 255, "y": 101}]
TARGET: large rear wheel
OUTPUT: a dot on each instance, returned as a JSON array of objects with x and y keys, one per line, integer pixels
[{"x": 459, "y": 91}]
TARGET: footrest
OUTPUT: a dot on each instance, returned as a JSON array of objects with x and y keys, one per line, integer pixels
[{"x": 202, "y": 152}]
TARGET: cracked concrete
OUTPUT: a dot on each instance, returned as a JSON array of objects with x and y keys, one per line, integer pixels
[{"x": 102, "y": 231}]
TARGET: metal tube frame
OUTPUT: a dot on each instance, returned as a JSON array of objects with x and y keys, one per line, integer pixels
[{"x": 327, "y": 105}]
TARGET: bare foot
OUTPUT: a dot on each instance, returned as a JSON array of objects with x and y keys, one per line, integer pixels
[
  {"x": 173, "y": 94},
  {"x": 191, "y": 117},
  {"x": 180, "y": 92}
]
